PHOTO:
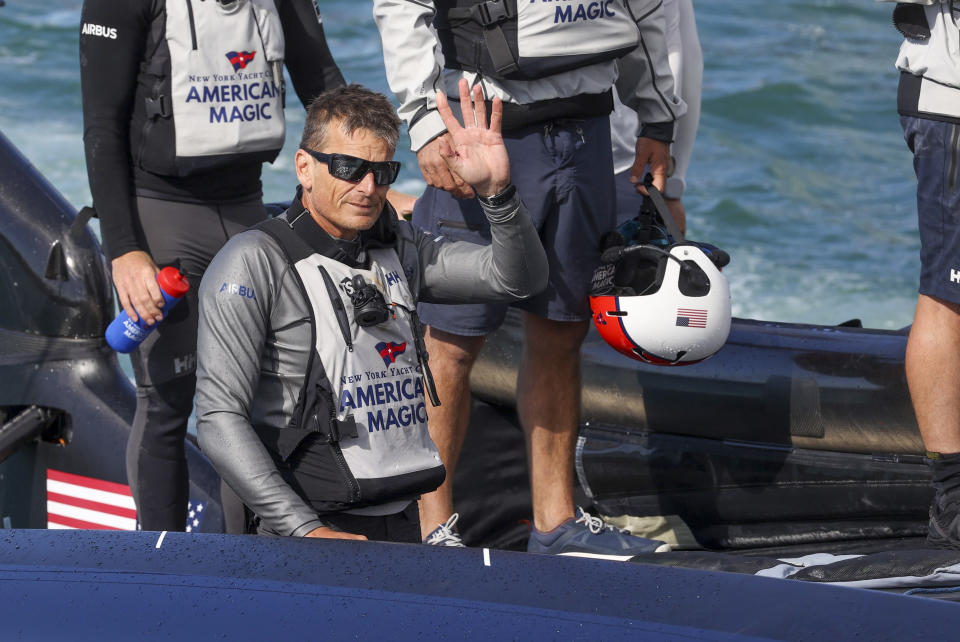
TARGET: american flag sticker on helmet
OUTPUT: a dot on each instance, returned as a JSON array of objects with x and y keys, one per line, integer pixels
[
  {"x": 75, "y": 501},
  {"x": 691, "y": 318}
]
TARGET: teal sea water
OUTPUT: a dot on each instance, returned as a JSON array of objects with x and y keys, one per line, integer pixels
[{"x": 799, "y": 170}]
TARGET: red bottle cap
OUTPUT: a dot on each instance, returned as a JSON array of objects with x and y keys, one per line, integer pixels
[{"x": 172, "y": 282}]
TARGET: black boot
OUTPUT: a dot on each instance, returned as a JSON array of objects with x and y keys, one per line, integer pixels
[{"x": 944, "y": 528}]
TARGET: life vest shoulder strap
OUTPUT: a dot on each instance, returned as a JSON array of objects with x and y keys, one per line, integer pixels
[
  {"x": 294, "y": 247},
  {"x": 316, "y": 393}
]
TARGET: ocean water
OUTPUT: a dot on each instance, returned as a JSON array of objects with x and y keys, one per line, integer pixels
[{"x": 799, "y": 171}]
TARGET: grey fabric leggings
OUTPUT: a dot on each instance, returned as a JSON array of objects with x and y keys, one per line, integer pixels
[{"x": 187, "y": 235}]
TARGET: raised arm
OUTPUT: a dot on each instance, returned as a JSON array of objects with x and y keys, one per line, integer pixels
[
  {"x": 414, "y": 64},
  {"x": 514, "y": 265},
  {"x": 475, "y": 150}
]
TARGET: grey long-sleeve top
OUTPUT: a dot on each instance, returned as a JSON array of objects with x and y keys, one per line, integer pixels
[{"x": 254, "y": 340}]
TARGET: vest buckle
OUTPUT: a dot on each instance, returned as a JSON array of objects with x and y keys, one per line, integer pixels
[
  {"x": 347, "y": 428},
  {"x": 330, "y": 433},
  {"x": 491, "y": 12},
  {"x": 158, "y": 107},
  {"x": 337, "y": 429}
]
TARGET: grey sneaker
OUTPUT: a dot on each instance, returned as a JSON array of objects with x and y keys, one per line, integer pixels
[
  {"x": 943, "y": 530},
  {"x": 444, "y": 535},
  {"x": 589, "y": 536}
]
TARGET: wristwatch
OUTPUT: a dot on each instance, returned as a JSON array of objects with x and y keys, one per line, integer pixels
[
  {"x": 499, "y": 199},
  {"x": 674, "y": 187}
]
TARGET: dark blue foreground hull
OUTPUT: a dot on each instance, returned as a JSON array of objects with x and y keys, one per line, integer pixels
[{"x": 124, "y": 585}]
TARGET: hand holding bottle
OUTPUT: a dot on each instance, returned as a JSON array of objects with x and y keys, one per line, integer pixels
[{"x": 124, "y": 334}]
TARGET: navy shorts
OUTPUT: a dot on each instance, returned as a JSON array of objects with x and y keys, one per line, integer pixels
[
  {"x": 563, "y": 171},
  {"x": 936, "y": 161},
  {"x": 629, "y": 199}
]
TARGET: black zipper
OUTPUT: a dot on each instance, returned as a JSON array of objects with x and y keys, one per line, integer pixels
[
  {"x": 352, "y": 484},
  {"x": 148, "y": 126},
  {"x": 193, "y": 26},
  {"x": 954, "y": 157}
]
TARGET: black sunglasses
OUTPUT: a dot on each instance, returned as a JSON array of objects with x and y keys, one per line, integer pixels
[{"x": 353, "y": 169}]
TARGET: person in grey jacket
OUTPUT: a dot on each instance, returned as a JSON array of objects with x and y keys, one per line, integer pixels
[
  {"x": 554, "y": 65},
  {"x": 311, "y": 371},
  {"x": 928, "y": 101}
]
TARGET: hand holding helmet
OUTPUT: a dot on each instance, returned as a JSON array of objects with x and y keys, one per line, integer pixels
[{"x": 659, "y": 298}]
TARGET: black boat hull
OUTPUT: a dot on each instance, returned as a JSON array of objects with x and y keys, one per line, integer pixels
[
  {"x": 792, "y": 435},
  {"x": 65, "y": 404}
]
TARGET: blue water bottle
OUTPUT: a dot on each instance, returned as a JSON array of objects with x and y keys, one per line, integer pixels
[{"x": 124, "y": 335}]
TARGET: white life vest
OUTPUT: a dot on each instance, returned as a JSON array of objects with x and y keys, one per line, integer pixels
[
  {"x": 377, "y": 383},
  {"x": 358, "y": 435},
  {"x": 934, "y": 63},
  {"x": 528, "y": 40},
  {"x": 214, "y": 88}
]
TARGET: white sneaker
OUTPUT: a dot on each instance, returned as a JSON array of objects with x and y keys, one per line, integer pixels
[{"x": 444, "y": 535}]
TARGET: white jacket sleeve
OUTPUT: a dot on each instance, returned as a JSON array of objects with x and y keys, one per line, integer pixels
[
  {"x": 688, "y": 71},
  {"x": 414, "y": 64},
  {"x": 645, "y": 83}
]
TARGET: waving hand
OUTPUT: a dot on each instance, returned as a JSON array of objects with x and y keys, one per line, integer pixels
[{"x": 477, "y": 154}]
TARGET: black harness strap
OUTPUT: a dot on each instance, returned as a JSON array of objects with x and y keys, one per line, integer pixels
[
  {"x": 316, "y": 387},
  {"x": 491, "y": 15}
]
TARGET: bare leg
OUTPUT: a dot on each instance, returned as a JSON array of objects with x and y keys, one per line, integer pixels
[
  {"x": 548, "y": 402},
  {"x": 933, "y": 365},
  {"x": 451, "y": 359}
]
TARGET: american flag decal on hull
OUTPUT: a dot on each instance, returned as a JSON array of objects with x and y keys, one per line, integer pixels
[
  {"x": 691, "y": 318},
  {"x": 75, "y": 501}
]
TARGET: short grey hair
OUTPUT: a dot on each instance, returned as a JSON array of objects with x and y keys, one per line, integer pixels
[{"x": 356, "y": 107}]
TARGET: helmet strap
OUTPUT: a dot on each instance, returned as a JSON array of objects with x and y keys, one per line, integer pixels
[{"x": 661, "y": 205}]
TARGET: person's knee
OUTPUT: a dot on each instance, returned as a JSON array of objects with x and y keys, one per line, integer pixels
[
  {"x": 454, "y": 351},
  {"x": 936, "y": 329},
  {"x": 561, "y": 338},
  {"x": 940, "y": 311}
]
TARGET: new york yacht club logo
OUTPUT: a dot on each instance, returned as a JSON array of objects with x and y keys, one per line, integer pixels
[
  {"x": 239, "y": 59},
  {"x": 389, "y": 351}
]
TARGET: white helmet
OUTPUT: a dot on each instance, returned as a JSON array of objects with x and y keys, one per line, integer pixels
[{"x": 666, "y": 305}]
